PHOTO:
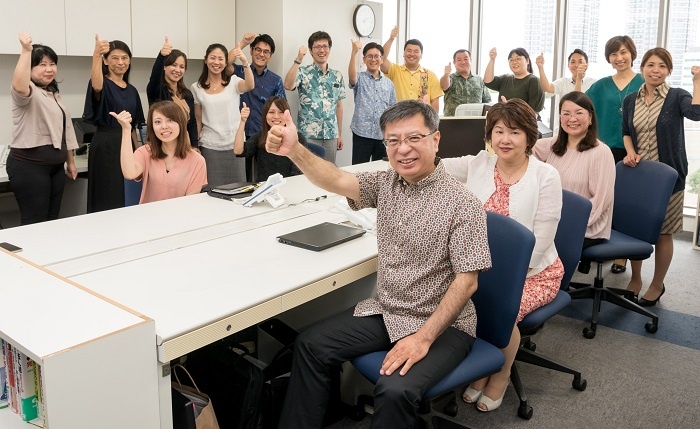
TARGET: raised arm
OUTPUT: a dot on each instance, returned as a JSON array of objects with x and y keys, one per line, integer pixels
[
  {"x": 130, "y": 168},
  {"x": 579, "y": 75},
  {"x": 352, "y": 67},
  {"x": 245, "y": 41},
  {"x": 386, "y": 65},
  {"x": 544, "y": 82},
  {"x": 96, "y": 76},
  {"x": 156, "y": 79},
  {"x": 291, "y": 78},
  {"x": 23, "y": 70},
  {"x": 695, "y": 71},
  {"x": 249, "y": 82},
  {"x": 445, "y": 79},
  {"x": 283, "y": 140},
  {"x": 413, "y": 348},
  {"x": 488, "y": 73},
  {"x": 239, "y": 141}
]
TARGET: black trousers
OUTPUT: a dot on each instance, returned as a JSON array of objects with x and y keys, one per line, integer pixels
[
  {"x": 363, "y": 149},
  {"x": 105, "y": 178},
  {"x": 38, "y": 189},
  {"x": 618, "y": 153},
  {"x": 343, "y": 337}
]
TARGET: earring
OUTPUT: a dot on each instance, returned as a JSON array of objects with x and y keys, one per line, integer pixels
[{"x": 590, "y": 123}]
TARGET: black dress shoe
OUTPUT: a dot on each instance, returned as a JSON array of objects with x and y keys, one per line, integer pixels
[
  {"x": 617, "y": 268},
  {"x": 646, "y": 303},
  {"x": 584, "y": 267}
]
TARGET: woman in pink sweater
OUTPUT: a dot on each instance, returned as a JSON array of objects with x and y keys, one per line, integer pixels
[
  {"x": 586, "y": 165},
  {"x": 167, "y": 164}
]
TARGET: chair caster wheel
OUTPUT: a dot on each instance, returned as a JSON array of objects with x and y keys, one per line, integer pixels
[
  {"x": 579, "y": 384},
  {"x": 357, "y": 413},
  {"x": 530, "y": 346},
  {"x": 450, "y": 408},
  {"x": 525, "y": 412},
  {"x": 651, "y": 327},
  {"x": 589, "y": 333}
]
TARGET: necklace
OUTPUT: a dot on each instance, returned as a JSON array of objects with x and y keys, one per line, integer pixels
[
  {"x": 622, "y": 98},
  {"x": 514, "y": 171}
]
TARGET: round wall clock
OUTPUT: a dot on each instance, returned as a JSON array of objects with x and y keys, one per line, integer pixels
[{"x": 363, "y": 20}]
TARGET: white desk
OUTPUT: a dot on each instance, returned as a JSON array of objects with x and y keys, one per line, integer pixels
[{"x": 201, "y": 268}]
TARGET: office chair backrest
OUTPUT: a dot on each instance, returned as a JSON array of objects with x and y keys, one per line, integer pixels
[
  {"x": 470, "y": 109},
  {"x": 641, "y": 198},
  {"x": 575, "y": 211},
  {"x": 132, "y": 192},
  {"x": 317, "y": 149},
  {"x": 497, "y": 299}
]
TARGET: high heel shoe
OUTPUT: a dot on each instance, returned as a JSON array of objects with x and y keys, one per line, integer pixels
[
  {"x": 490, "y": 404},
  {"x": 617, "y": 268},
  {"x": 472, "y": 394},
  {"x": 646, "y": 303},
  {"x": 631, "y": 294}
]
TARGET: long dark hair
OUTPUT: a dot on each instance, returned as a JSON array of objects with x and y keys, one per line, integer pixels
[
  {"x": 38, "y": 54},
  {"x": 182, "y": 90},
  {"x": 521, "y": 52},
  {"x": 590, "y": 140},
  {"x": 114, "y": 45},
  {"x": 171, "y": 111},
  {"x": 225, "y": 77},
  {"x": 281, "y": 104}
]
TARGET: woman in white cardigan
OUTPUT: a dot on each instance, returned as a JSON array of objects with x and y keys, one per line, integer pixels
[{"x": 513, "y": 183}]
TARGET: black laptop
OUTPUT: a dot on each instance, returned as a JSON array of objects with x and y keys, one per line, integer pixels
[{"x": 321, "y": 236}]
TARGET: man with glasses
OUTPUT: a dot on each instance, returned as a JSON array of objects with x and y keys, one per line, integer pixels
[
  {"x": 267, "y": 83},
  {"x": 321, "y": 94},
  {"x": 411, "y": 80},
  {"x": 431, "y": 239},
  {"x": 462, "y": 87},
  {"x": 373, "y": 94}
]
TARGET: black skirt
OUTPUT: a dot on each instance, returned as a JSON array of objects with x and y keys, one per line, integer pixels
[{"x": 105, "y": 179}]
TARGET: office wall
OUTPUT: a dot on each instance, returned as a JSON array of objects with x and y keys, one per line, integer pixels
[{"x": 288, "y": 22}]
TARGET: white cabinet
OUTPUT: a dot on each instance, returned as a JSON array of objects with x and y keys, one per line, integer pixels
[
  {"x": 98, "y": 359},
  {"x": 110, "y": 19},
  {"x": 152, "y": 20},
  {"x": 210, "y": 21},
  {"x": 44, "y": 20}
]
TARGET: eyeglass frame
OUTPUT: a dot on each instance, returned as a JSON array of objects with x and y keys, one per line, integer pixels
[
  {"x": 266, "y": 52},
  {"x": 321, "y": 48},
  {"x": 373, "y": 57},
  {"x": 396, "y": 143}
]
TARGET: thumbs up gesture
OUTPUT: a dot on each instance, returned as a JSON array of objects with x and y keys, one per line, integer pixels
[
  {"x": 245, "y": 112},
  {"x": 167, "y": 48},
  {"x": 282, "y": 139},
  {"x": 101, "y": 46}
]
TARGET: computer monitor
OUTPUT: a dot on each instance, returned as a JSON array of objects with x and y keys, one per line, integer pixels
[
  {"x": 460, "y": 136},
  {"x": 470, "y": 109}
]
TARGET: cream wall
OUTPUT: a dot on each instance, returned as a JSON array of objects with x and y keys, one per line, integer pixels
[{"x": 289, "y": 22}]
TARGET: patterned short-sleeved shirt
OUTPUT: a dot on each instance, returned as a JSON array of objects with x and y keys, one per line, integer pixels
[
  {"x": 319, "y": 93},
  {"x": 427, "y": 232},
  {"x": 372, "y": 97},
  {"x": 465, "y": 90}
]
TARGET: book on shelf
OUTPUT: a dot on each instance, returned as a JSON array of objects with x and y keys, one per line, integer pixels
[
  {"x": 3, "y": 379},
  {"x": 24, "y": 386}
]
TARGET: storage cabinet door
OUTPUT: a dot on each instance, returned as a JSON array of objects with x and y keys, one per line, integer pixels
[
  {"x": 110, "y": 19},
  {"x": 44, "y": 20}
]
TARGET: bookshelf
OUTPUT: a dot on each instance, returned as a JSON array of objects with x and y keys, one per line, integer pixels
[{"x": 93, "y": 352}]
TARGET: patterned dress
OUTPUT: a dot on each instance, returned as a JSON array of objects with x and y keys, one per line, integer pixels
[{"x": 541, "y": 288}]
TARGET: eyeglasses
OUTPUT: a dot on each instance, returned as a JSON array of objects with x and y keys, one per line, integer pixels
[
  {"x": 578, "y": 114},
  {"x": 373, "y": 57},
  {"x": 265, "y": 52},
  {"x": 321, "y": 48},
  {"x": 411, "y": 140}
]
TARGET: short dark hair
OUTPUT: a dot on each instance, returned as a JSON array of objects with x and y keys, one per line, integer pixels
[
  {"x": 265, "y": 38},
  {"x": 373, "y": 45},
  {"x": 320, "y": 35},
  {"x": 460, "y": 51},
  {"x": 661, "y": 53},
  {"x": 590, "y": 140},
  {"x": 117, "y": 45},
  {"x": 408, "y": 109},
  {"x": 515, "y": 113},
  {"x": 615, "y": 43},
  {"x": 38, "y": 54},
  {"x": 413, "y": 42},
  {"x": 225, "y": 77},
  {"x": 580, "y": 52},
  {"x": 521, "y": 52}
]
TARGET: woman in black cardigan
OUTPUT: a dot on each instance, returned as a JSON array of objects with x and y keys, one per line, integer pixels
[
  {"x": 166, "y": 83},
  {"x": 652, "y": 129}
]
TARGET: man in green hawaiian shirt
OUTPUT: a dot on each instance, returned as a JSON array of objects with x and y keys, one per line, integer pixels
[{"x": 462, "y": 87}]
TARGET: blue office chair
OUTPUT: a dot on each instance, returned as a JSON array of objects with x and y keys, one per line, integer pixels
[
  {"x": 317, "y": 149},
  {"x": 497, "y": 302},
  {"x": 132, "y": 192},
  {"x": 571, "y": 231},
  {"x": 641, "y": 199}
]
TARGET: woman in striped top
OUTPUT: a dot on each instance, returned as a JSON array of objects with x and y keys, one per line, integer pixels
[{"x": 652, "y": 129}]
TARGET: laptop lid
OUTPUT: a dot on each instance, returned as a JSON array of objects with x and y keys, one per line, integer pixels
[{"x": 321, "y": 236}]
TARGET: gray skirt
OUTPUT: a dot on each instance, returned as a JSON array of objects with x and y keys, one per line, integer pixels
[{"x": 223, "y": 167}]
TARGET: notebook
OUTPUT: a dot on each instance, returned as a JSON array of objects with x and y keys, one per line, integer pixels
[
  {"x": 233, "y": 190},
  {"x": 321, "y": 236}
]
